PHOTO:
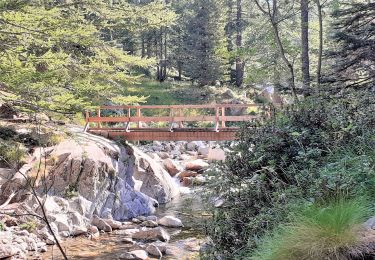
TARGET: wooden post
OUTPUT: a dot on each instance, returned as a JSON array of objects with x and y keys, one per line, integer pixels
[
  {"x": 180, "y": 124},
  {"x": 223, "y": 117},
  {"x": 139, "y": 115},
  {"x": 171, "y": 113},
  {"x": 99, "y": 123},
  {"x": 87, "y": 122},
  {"x": 217, "y": 119},
  {"x": 127, "y": 126}
]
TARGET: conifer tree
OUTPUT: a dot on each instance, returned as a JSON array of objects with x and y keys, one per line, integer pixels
[
  {"x": 205, "y": 44},
  {"x": 355, "y": 34}
]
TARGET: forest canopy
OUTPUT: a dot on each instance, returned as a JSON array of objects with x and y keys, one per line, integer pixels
[{"x": 68, "y": 55}]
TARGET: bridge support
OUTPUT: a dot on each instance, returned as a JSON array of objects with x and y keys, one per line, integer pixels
[{"x": 169, "y": 136}]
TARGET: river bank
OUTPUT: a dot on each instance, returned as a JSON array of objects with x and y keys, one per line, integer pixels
[{"x": 108, "y": 199}]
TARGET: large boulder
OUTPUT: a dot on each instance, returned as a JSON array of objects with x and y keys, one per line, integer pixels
[
  {"x": 100, "y": 172},
  {"x": 86, "y": 174},
  {"x": 156, "y": 181}
]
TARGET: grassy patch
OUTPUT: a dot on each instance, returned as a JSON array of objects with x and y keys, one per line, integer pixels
[
  {"x": 167, "y": 93},
  {"x": 320, "y": 232},
  {"x": 29, "y": 226},
  {"x": 12, "y": 153}
]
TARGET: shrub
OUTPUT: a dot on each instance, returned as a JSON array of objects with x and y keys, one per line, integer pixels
[
  {"x": 55, "y": 139},
  {"x": 311, "y": 152},
  {"x": 328, "y": 232},
  {"x": 7, "y": 133},
  {"x": 29, "y": 226},
  {"x": 12, "y": 153}
]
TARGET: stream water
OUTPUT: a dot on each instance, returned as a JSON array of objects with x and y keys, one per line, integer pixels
[{"x": 184, "y": 243}]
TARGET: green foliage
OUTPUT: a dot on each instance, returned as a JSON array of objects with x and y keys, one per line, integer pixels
[
  {"x": 311, "y": 152},
  {"x": 321, "y": 232},
  {"x": 12, "y": 153},
  {"x": 54, "y": 57},
  {"x": 355, "y": 37},
  {"x": 205, "y": 42},
  {"x": 2, "y": 226},
  {"x": 29, "y": 226},
  {"x": 7, "y": 133}
]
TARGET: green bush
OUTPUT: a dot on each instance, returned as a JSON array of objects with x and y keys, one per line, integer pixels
[
  {"x": 321, "y": 232},
  {"x": 311, "y": 152},
  {"x": 7, "y": 133},
  {"x": 29, "y": 226},
  {"x": 12, "y": 153}
]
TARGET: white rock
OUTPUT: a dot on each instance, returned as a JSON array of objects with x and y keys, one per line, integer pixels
[
  {"x": 7, "y": 251},
  {"x": 101, "y": 224},
  {"x": 139, "y": 254},
  {"x": 154, "y": 251},
  {"x": 216, "y": 154},
  {"x": 78, "y": 230},
  {"x": 170, "y": 221},
  {"x": 196, "y": 165},
  {"x": 163, "y": 155},
  {"x": 113, "y": 223},
  {"x": 152, "y": 235},
  {"x": 156, "y": 182},
  {"x": 204, "y": 151}
]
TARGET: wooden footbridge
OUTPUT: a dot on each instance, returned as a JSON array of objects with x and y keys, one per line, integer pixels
[{"x": 172, "y": 123}]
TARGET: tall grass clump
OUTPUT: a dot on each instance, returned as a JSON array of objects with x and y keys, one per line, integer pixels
[{"x": 320, "y": 232}]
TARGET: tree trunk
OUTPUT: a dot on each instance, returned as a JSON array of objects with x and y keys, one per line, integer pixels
[
  {"x": 179, "y": 69},
  {"x": 272, "y": 15},
  {"x": 143, "y": 50},
  {"x": 229, "y": 33},
  {"x": 320, "y": 17},
  {"x": 305, "y": 60},
  {"x": 239, "y": 61}
]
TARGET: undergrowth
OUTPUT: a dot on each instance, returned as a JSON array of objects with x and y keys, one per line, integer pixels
[
  {"x": 328, "y": 231},
  {"x": 306, "y": 155}
]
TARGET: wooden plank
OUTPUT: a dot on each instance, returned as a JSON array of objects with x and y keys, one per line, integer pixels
[
  {"x": 223, "y": 117},
  {"x": 138, "y": 117},
  {"x": 172, "y": 136},
  {"x": 217, "y": 119},
  {"x": 179, "y": 106},
  {"x": 99, "y": 122},
  {"x": 171, "y": 119},
  {"x": 159, "y": 129}
]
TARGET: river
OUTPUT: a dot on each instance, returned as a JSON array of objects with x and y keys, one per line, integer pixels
[{"x": 184, "y": 243}]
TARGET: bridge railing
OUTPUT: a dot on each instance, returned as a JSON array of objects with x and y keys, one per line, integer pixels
[{"x": 219, "y": 115}]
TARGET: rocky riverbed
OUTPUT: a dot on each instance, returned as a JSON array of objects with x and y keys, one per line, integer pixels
[{"x": 102, "y": 198}]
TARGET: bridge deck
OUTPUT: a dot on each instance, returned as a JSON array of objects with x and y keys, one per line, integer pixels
[{"x": 127, "y": 121}]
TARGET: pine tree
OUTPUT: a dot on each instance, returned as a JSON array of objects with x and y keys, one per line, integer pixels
[
  {"x": 355, "y": 35},
  {"x": 205, "y": 44},
  {"x": 65, "y": 56}
]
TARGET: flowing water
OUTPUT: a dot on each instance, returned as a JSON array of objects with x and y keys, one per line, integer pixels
[{"x": 184, "y": 243}]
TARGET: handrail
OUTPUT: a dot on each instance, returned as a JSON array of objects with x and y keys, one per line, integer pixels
[{"x": 175, "y": 115}]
